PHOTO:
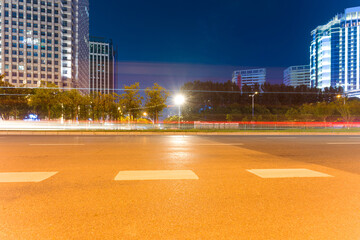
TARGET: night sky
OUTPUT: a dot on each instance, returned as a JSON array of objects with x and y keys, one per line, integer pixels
[{"x": 176, "y": 41}]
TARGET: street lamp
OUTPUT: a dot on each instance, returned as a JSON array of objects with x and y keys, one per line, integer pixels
[
  {"x": 179, "y": 100},
  {"x": 340, "y": 96},
  {"x": 253, "y": 102}
]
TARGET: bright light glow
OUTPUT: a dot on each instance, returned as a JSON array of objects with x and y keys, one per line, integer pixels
[
  {"x": 145, "y": 114},
  {"x": 179, "y": 100}
]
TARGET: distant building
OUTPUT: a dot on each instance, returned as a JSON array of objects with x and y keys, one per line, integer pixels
[
  {"x": 102, "y": 65},
  {"x": 249, "y": 77},
  {"x": 45, "y": 41},
  {"x": 297, "y": 76},
  {"x": 335, "y": 53}
]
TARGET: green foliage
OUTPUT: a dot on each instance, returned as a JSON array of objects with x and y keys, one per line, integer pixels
[
  {"x": 229, "y": 117},
  {"x": 47, "y": 101},
  {"x": 155, "y": 101},
  {"x": 132, "y": 101},
  {"x": 292, "y": 114},
  {"x": 13, "y": 101}
]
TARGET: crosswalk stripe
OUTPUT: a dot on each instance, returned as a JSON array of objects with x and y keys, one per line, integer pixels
[
  {"x": 343, "y": 143},
  {"x": 281, "y": 137},
  {"x": 218, "y": 144},
  {"x": 14, "y": 177},
  {"x": 155, "y": 175},
  {"x": 287, "y": 173},
  {"x": 60, "y": 144}
]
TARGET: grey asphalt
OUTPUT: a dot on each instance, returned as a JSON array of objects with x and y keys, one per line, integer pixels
[{"x": 83, "y": 201}]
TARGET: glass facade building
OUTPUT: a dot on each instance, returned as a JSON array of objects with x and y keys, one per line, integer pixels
[
  {"x": 334, "y": 53},
  {"x": 45, "y": 41},
  {"x": 249, "y": 77},
  {"x": 102, "y": 65},
  {"x": 297, "y": 76}
]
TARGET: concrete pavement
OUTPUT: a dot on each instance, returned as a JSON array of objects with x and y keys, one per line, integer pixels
[{"x": 212, "y": 194}]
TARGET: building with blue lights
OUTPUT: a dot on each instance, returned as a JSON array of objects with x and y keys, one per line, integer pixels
[
  {"x": 335, "y": 53},
  {"x": 297, "y": 76},
  {"x": 249, "y": 77}
]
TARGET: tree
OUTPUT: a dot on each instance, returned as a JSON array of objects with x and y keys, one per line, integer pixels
[
  {"x": 323, "y": 110},
  {"x": 292, "y": 114},
  {"x": 155, "y": 101},
  {"x": 13, "y": 101},
  {"x": 131, "y": 100},
  {"x": 47, "y": 100},
  {"x": 349, "y": 109},
  {"x": 71, "y": 101},
  {"x": 307, "y": 111}
]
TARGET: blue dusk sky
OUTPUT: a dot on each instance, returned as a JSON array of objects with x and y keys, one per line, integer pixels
[{"x": 176, "y": 41}]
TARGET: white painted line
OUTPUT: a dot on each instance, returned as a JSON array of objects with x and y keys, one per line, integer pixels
[
  {"x": 344, "y": 143},
  {"x": 281, "y": 137},
  {"x": 155, "y": 175},
  {"x": 46, "y": 144},
  {"x": 218, "y": 144},
  {"x": 14, "y": 177},
  {"x": 287, "y": 173}
]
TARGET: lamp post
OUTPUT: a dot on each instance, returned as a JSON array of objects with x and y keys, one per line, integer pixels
[
  {"x": 253, "y": 103},
  {"x": 179, "y": 100},
  {"x": 340, "y": 96}
]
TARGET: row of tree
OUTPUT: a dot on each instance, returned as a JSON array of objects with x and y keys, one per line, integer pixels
[
  {"x": 209, "y": 101},
  {"x": 50, "y": 102}
]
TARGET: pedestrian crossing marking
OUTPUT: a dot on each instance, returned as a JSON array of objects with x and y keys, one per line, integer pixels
[
  {"x": 155, "y": 175},
  {"x": 17, "y": 177},
  {"x": 287, "y": 173}
]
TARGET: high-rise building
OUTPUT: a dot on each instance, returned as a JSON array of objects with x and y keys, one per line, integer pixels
[
  {"x": 335, "y": 53},
  {"x": 297, "y": 76},
  {"x": 102, "y": 65},
  {"x": 249, "y": 77},
  {"x": 45, "y": 41}
]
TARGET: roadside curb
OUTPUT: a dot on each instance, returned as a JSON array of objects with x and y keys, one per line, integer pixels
[{"x": 62, "y": 133}]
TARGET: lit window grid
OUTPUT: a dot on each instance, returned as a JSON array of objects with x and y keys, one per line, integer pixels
[
  {"x": 344, "y": 62},
  {"x": 56, "y": 77},
  {"x": 250, "y": 77},
  {"x": 101, "y": 67}
]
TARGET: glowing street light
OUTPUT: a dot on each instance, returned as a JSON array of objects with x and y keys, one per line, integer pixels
[
  {"x": 340, "y": 96},
  {"x": 253, "y": 102},
  {"x": 179, "y": 100}
]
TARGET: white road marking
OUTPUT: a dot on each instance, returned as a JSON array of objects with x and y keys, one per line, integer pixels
[
  {"x": 155, "y": 175},
  {"x": 287, "y": 173},
  {"x": 281, "y": 137},
  {"x": 217, "y": 144},
  {"x": 343, "y": 143},
  {"x": 60, "y": 144},
  {"x": 14, "y": 177}
]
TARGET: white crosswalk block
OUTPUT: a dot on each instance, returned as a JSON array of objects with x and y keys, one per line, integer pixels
[
  {"x": 344, "y": 143},
  {"x": 155, "y": 175},
  {"x": 287, "y": 173},
  {"x": 17, "y": 177}
]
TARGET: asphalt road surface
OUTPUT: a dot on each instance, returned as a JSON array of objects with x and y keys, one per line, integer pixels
[{"x": 179, "y": 187}]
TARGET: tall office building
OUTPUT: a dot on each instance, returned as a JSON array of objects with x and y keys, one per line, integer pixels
[
  {"x": 102, "y": 65},
  {"x": 335, "y": 53},
  {"x": 249, "y": 77},
  {"x": 45, "y": 41},
  {"x": 297, "y": 76}
]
